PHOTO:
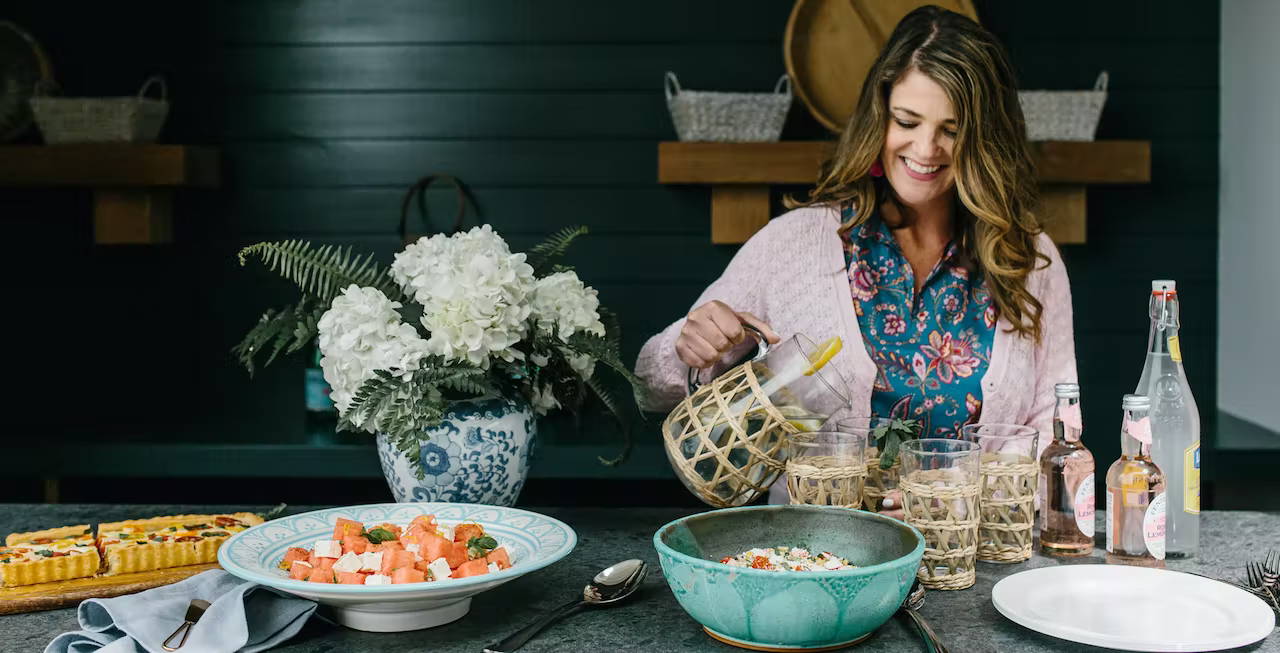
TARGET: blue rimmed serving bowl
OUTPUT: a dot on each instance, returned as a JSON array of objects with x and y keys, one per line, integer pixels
[
  {"x": 532, "y": 540},
  {"x": 769, "y": 610}
]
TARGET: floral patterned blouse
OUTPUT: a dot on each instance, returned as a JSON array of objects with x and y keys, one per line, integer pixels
[{"x": 930, "y": 351}]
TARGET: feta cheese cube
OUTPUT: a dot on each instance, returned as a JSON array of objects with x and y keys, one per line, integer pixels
[
  {"x": 445, "y": 531},
  {"x": 349, "y": 562},
  {"x": 414, "y": 549},
  {"x": 493, "y": 568},
  {"x": 371, "y": 561},
  {"x": 832, "y": 564},
  {"x": 439, "y": 569},
  {"x": 377, "y": 579},
  {"x": 328, "y": 549}
]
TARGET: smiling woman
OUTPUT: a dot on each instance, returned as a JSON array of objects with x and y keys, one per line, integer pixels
[{"x": 919, "y": 241}]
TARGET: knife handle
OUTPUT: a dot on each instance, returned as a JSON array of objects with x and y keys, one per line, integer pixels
[
  {"x": 184, "y": 630},
  {"x": 518, "y": 638}
]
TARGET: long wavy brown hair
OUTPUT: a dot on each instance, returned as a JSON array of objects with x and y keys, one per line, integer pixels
[{"x": 994, "y": 172}]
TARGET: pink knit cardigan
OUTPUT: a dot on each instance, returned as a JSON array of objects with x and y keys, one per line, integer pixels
[{"x": 792, "y": 275}]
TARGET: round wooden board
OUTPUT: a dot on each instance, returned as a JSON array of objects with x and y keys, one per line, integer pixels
[{"x": 830, "y": 45}]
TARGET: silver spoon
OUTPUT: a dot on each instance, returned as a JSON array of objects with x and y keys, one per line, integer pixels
[
  {"x": 611, "y": 585},
  {"x": 913, "y": 602}
]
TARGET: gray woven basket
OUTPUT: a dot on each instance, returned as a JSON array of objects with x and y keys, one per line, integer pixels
[
  {"x": 728, "y": 117},
  {"x": 1064, "y": 115},
  {"x": 102, "y": 120}
]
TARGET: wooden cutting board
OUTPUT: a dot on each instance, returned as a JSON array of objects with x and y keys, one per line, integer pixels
[
  {"x": 66, "y": 593},
  {"x": 830, "y": 45}
]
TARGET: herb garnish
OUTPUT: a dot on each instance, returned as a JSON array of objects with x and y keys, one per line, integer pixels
[
  {"x": 889, "y": 438},
  {"x": 379, "y": 535},
  {"x": 479, "y": 547}
]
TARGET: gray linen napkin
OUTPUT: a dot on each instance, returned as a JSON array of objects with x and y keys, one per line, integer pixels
[{"x": 243, "y": 617}]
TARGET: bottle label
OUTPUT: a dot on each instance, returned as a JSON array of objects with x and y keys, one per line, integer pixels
[
  {"x": 1083, "y": 505},
  {"x": 1111, "y": 521},
  {"x": 1153, "y": 522},
  {"x": 1191, "y": 477},
  {"x": 1175, "y": 349}
]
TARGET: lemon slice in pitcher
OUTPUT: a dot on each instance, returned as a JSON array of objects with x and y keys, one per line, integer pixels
[{"x": 825, "y": 352}]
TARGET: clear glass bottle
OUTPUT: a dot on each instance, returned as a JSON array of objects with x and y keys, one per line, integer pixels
[
  {"x": 1175, "y": 421},
  {"x": 1067, "y": 503},
  {"x": 1135, "y": 492}
]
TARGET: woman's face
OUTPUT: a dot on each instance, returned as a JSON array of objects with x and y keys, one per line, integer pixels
[{"x": 918, "y": 142}]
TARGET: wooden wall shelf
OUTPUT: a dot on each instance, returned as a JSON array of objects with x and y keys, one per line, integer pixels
[
  {"x": 740, "y": 175},
  {"x": 132, "y": 184}
]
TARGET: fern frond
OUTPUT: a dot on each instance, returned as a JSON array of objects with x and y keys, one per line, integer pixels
[
  {"x": 324, "y": 271},
  {"x": 607, "y": 399},
  {"x": 544, "y": 254},
  {"x": 288, "y": 329}
]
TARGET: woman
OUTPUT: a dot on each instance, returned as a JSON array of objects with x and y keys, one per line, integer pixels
[{"x": 918, "y": 242}]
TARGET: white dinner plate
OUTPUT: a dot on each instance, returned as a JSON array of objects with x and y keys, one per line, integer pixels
[{"x": 1133, "y": 608}]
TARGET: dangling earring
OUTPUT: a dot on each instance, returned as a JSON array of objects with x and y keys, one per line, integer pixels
[{"x": 877, "y": 170}]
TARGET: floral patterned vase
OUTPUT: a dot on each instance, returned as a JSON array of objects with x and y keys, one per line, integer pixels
[{"x": 478, "y": 454}]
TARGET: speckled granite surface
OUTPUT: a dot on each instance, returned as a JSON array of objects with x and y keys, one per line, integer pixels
[{"x": 652, "y": 621}]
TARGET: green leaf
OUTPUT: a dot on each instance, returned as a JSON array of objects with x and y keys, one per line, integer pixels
[
  {"x": 544, "y": 254},
  {"x": 288, "y": 329},
  {"x": 479, "y": 547},
  {"x": 379, "y": 535},
  {"x": 271, "y": 514},
  {"x": 322, "y": 272},
  {"x": 607, "y": 399}
]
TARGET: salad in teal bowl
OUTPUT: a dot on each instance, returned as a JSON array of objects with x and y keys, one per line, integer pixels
[{"x": 785, "y": 609}]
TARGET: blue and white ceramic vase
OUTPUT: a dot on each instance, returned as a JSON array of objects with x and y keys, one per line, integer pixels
[{"x": 478, "y": 454}]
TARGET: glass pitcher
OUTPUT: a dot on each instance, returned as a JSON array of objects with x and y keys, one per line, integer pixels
[{"x": 727, "y": 439}]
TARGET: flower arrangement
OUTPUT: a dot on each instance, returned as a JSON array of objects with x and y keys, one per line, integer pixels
[{"x": 453, "y": 317}]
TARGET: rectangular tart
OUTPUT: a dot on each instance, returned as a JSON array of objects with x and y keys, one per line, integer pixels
[
  {"x": 162, "y": 542},
  {"x": 48, "y": 555}
]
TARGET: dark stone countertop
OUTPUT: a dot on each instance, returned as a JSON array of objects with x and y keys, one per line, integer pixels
[{"x": 652, "y": 621}]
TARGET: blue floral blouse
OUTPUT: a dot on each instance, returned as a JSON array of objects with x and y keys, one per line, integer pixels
[{"x": 930, "y": 351}]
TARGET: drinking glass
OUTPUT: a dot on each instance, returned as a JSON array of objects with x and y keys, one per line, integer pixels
[
  {"x": 1010, "y": 475},
  {"x": 940, "y": 484},
  {"x": 827, "y": 468}
]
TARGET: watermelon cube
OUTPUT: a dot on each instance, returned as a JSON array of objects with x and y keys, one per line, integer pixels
[
  {"x": 350, "y": 578},
  {"x": 321, "y": 576},
  {"x": 473, "y": 568},
  {"x": 346, "y": 527},
  {"x": 499, "y": 557},
  {"x": 300, "y": 570},
  {"x": 407, "y": 575}
]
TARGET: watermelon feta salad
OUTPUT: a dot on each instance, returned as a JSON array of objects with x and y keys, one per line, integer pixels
[{"x": 387, "y": 554}]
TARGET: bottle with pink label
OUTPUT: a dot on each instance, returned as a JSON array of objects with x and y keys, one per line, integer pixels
[
  {"x": 1135, "y": 492},
  {"x": 1066, "y": 481}
]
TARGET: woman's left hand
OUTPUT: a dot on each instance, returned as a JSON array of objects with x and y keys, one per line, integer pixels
[{"x": 891, "y": 505}]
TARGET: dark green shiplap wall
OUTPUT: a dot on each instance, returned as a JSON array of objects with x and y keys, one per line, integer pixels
[{"x": 327, "y": 110}]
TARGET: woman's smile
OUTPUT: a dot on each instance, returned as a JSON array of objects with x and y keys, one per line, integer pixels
[{"x": 919, "y": 171}]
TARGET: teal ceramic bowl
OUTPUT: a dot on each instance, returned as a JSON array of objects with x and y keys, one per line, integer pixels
[{"x": 797, "y": 610}]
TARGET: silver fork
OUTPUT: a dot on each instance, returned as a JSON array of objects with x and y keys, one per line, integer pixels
[
  {"x": 1258, "y": 576},
  {"x": 1273, "y": 561}
]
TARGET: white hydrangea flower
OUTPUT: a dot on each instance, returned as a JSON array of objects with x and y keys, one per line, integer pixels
[
  {"x": 360, "y": 333},
  {"x": 543, "y": 400},
  {"x": 563, "y": 305},
  {"x": 473, "y": 290}
]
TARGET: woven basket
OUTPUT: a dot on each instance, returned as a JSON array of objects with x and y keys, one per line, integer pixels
[
  {"x": 1064, "y": 115},
  {"x": 102, "y": 120},
  {"x": 728, "y": 117}
]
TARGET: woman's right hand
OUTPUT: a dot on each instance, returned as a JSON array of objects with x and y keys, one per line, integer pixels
[{"x": 713, "y": 329}]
